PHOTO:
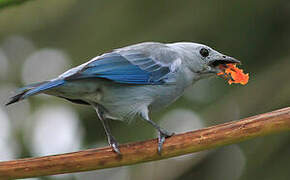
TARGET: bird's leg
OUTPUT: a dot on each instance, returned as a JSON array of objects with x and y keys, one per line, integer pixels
[
  {"x": 112, "y": 141},
  {"x": 162, "y": 133}
]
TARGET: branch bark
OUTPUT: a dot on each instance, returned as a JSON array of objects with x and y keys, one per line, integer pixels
[{"x": 203, "y": 139}]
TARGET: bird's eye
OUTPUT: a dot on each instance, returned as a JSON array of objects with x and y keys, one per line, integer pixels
[{"x": 204, "y": 52}]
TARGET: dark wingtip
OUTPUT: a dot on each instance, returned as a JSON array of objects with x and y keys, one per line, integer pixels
[
  {"x": 10, "y": 102},
  {"x": 14, "y": 99}
]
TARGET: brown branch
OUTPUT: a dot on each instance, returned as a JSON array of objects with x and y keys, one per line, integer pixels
[{"x": 212, "y": 137}]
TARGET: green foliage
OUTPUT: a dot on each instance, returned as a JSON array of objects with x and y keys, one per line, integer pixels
[{"x": 6, "y": 3}]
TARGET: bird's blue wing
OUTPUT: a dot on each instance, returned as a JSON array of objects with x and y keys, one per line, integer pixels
[{"x": 129, "y": 68}]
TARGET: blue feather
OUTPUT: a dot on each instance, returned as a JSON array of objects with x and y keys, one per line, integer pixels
[
  {"x": 33, "y": 89},
  {"x": 131, "y": 68},
  {"x": 43, "y": 87}
]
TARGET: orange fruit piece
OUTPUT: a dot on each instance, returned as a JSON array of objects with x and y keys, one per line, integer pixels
[{"x": 233, "y": 74}]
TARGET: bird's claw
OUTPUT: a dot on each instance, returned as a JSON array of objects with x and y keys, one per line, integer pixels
[
  {"x": 161, "y": 139},
  {"x": 114, "y": 144}
]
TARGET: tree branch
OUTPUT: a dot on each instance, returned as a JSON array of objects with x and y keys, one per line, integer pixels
[{"x": 203, "y": 139}]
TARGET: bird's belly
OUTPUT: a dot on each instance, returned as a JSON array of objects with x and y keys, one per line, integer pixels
[
  {"x": 125, "y": 102},
  {"x": 122, "y": 101},
  {"x": 164, "y": 97}
]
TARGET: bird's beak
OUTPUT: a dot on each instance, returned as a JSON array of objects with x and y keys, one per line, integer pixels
[{"x": 223, "y": 60}]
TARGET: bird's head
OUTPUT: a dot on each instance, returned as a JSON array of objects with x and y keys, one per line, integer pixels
[{"x": 203, "y": 60}]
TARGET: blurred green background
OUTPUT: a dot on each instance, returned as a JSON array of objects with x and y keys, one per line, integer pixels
[{"x": 41, "y": 39}]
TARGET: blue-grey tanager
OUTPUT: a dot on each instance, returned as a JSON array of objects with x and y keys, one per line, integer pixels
[{"x": 132, "y": 81}]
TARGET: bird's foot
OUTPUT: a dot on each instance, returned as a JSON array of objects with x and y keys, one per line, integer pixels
[
  {"x": 163, "y": 134},
  {"x": 114, "y": 144}
]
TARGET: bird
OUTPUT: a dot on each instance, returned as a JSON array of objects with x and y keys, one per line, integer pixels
[{"x": 133, "y": 81}]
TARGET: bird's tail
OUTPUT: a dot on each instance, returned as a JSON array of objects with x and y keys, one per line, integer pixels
[{"x": 33, "y": 89}]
